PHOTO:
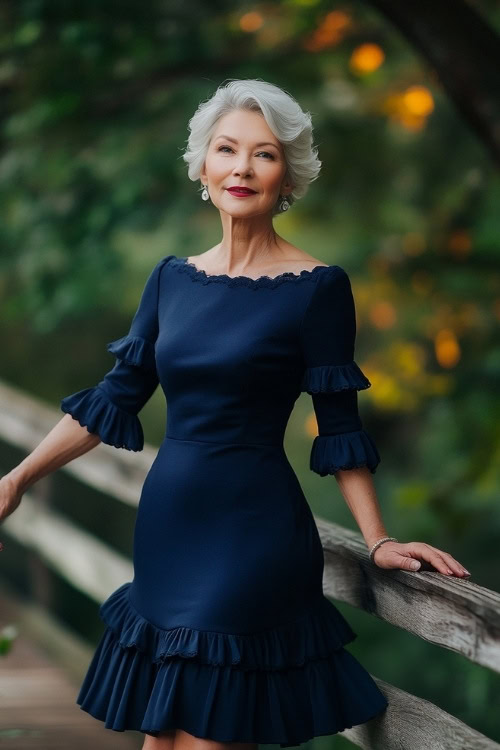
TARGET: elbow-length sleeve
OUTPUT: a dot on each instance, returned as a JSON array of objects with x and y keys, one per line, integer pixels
[
  {"x": 332, "y": 377},
  {"x": 110, "y": 408}
]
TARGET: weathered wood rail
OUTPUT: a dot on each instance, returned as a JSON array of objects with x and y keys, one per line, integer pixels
[{"x": 452, "y": 613}]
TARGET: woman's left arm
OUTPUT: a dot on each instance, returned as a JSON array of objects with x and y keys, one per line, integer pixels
[
  {"x": 343, "y": 448},
  {"x": 358, "y": 490}
]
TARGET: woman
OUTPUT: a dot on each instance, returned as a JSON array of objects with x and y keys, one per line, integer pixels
[{"x": 224, "y": 634}]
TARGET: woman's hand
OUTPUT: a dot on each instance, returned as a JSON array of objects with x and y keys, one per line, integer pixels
[
  {"x": 10, "y": 497},
  {"x": 407, "y": 556}
]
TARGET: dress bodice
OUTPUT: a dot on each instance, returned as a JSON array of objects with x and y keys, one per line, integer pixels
[
  {"x": 232, "y": 355},
  {"x": 228, "y": 353}
]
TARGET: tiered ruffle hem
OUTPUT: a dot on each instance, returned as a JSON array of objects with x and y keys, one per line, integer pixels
[{"x": 284, "y": 685}]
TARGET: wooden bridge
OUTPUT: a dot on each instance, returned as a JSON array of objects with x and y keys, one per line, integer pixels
[
  {"x": 37, "y": 692},
  {"x": 39, "y": 684}
]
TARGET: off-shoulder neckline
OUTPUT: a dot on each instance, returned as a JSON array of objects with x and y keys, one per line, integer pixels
[{"x": 197, "y": 274}]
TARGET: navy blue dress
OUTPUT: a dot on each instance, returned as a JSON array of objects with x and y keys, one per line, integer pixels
[{"x": 224, "y": 630}]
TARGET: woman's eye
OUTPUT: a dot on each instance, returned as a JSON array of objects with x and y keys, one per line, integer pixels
[{"x": 260, "y": 152}]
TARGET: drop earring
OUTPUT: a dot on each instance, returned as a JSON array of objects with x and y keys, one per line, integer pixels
[
  {"x": 284, "y": 205},
  {"x": 205, "y": 196}
]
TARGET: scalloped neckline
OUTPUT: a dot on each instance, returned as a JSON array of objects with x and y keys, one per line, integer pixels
[{"x": 199, "y": 274}]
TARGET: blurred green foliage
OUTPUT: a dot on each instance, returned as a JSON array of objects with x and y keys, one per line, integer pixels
[
  {"x": 96, "y": 100},
  {"x": 8, "y": 634}
]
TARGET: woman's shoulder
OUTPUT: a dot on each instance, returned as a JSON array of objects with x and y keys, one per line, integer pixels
[{"x": 298, "y": 260}]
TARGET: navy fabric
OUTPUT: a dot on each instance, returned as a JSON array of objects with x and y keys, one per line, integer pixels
[{"x": 224, "y": 630}]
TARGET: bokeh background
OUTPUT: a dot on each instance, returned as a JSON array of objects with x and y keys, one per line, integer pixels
[{"x": 95, "y": 102}]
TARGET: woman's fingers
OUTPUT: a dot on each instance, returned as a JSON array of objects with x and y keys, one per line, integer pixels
[
  {"x": 441, "y": 560},
  {"x": 408, "y": 563},
  {"x": 407, "y": 557},
  {"x": 452, "y": 564}
]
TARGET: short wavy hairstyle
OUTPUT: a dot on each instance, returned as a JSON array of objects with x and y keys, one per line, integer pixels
[{"x": 285, "y": 118}]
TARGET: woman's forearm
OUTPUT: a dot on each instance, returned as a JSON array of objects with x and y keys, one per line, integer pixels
[
  {"x": 359, "y": 493},
  {"x": 67, "y": 440}
]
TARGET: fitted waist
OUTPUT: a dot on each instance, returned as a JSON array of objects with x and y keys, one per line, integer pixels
[
  {"x": 204, "y": 422},
  {"x": 274, "y": 444},
  {"x": 225, "y": 471}
]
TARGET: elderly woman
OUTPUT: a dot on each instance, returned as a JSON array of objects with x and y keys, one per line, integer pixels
[{"x": 224, "y": 635}]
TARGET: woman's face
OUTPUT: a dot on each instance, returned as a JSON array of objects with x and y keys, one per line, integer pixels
[{"x": 234, "y": 158}]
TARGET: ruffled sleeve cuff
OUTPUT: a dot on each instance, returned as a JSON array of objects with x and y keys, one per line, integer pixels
[
  {"x": 347, "y": 450},
  {"x": 134, "y": 350},
  {"x": 329, "y": 378},
  {"x": 93, "y": 410}
]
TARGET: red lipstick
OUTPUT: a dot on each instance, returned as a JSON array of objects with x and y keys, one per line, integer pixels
[{"x": 240, "y": 191}]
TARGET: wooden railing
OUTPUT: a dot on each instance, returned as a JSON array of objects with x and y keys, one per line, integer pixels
[{"x": 450, "y": 612}]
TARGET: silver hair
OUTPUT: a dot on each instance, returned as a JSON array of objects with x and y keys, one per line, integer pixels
[{"x": 285, "y": 118}]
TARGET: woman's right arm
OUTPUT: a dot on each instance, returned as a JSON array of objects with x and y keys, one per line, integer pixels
[
  {"x": 67, "y": 440},
  {"x": 106, "y": 412}
]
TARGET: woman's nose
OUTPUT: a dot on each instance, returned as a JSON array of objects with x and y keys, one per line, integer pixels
[{"x": 243, "y": 167}]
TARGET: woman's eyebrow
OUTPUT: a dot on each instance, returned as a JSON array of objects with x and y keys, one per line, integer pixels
[{"x": 264, "y": 143}]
